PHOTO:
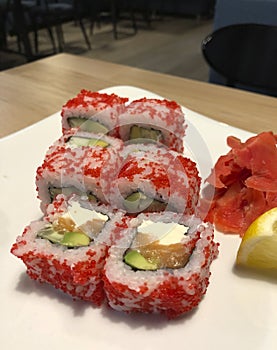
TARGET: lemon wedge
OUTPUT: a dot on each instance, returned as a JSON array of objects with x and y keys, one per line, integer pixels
[{"x": 258, "y": 248}]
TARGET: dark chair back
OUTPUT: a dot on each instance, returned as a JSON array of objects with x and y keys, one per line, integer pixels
[{"x": 245, "y": 54}]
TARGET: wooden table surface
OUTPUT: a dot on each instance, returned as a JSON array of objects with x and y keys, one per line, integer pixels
[{"x": 36, "y": 90}]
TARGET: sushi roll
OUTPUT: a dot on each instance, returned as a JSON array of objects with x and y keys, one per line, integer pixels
[
  {"x": 161, "y": 265},
  {"x": 93, "y": 112},
  {"x": 79, "y": 162},
  {"x": 67, "y": 248},
  {"x": 153, "y": 179},
  {"x": 153, "y": 120}
]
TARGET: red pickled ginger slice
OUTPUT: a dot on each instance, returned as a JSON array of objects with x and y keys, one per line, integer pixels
[
  {"x": 245, "y": 182},
  {"x": 259, "y": 155},
  {"x": 237, "y": 208}
]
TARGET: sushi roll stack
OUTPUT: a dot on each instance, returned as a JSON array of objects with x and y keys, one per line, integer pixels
[{"x": 119, "y": 204}]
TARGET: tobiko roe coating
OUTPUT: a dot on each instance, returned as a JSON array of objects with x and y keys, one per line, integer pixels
[
  {"x": 93, "y": 111},
  {"x": 163, "y": 179},
  {"x": 84, "y": 170}
]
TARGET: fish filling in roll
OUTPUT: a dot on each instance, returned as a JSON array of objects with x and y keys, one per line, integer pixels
[
  {"x": 76, "y": 228},
  {"x": 158, "y": 245}
]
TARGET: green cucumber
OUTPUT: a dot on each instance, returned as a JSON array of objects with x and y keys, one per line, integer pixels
[
  {"x": 49, "y": 233},
  {"x": 138, "y": 202},
  {"x": 87, "y": 125},
  {"x": 140, "y": 132},
  {"x": 84, "y": 141},
  {"x": 65, "y": 238}
]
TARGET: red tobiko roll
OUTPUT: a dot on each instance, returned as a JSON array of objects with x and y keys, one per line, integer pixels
[
  {"x": 154, "y": 120},
  {"x": 80, "y": 163},
  {"x": 68, "y": 247},
  {"x": 93, "y": 112},
  {"x": 140, "y": 275},
  {"x": 154, "y": 179}
]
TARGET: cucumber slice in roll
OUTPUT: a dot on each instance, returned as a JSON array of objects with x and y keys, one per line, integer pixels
[
  {"x": 68, "y": 239},
  {"x": 78, "y": 141},
  {"x": 50, "y": 234},
  {"x": 67, "y": 191},
  {"x": 140, "y": 132},
  {"x": 87, "y": 125}
]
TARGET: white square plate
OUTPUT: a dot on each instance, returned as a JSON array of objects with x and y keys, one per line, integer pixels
[{"x": 238, "y": 312}]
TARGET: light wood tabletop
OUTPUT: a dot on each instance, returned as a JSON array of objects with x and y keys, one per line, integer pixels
[{"x": 36, "y": 90}]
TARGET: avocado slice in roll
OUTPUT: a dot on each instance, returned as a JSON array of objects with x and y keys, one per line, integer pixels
[{"x": 65, "y": 238}]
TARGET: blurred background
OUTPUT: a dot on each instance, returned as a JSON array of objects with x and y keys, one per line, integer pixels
[{"x": 159, "y": 35}]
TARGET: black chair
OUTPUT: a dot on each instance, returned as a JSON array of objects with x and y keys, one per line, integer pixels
[
  {"x": 245, "y": 55},
  {"x": 29, "y": 16},
  {"x": 114, "y": 10},
  {"x": 58, "y": 12},
  {"x": 23, "y": 17}
]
